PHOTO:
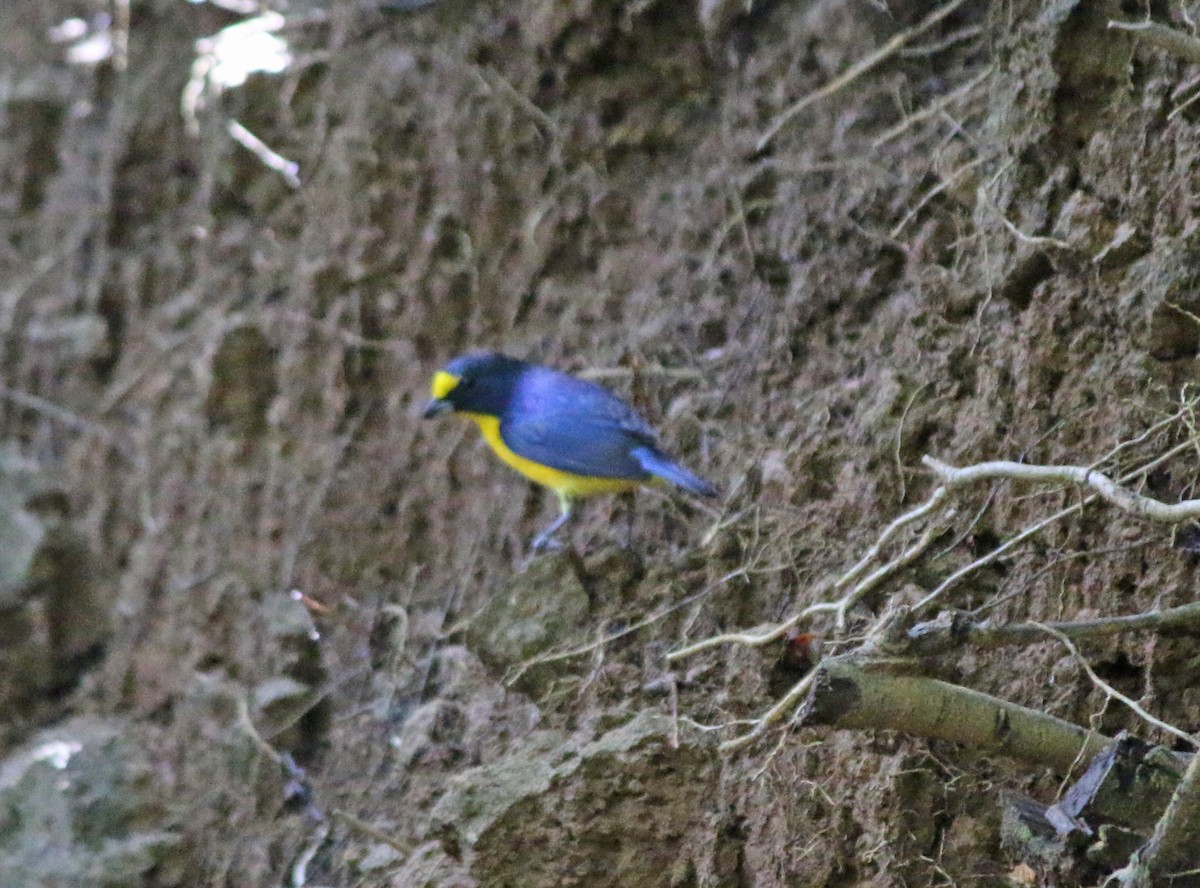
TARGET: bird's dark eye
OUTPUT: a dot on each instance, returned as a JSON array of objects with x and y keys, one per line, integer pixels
[{"x": 465, "y": 384}]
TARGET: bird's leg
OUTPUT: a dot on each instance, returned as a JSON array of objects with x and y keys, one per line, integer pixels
[{"x": 545, "y": 539}]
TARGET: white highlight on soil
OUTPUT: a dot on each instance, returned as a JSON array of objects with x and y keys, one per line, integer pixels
[
  {"x": 85, "y": 48},
  {"x": 246, "y": 48},
  {"x": 57, "y": 752}
]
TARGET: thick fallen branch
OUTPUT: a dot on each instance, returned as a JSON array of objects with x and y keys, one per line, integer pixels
[
  {"x": 1107, "y": 813},
  {"x": 1174, "y": 848},
  {"x": 926, "y": 636},
  {"x": 1185, "y": 46},
  {"x": 852, "y": 692},
  {"x": 1130, "y": 784},
  {"x": 863, "y": 689}
]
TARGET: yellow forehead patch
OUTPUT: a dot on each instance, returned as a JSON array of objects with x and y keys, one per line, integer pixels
[{"x": 443, "y": 383}]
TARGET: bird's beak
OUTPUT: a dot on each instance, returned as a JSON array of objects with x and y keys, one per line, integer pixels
[{"x": 436, "y": 407}]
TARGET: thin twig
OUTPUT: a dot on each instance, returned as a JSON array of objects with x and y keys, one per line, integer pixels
[
  {"x": 597, "y": 374},
  {"x": 267, "y": 156},
  {"x": 1146, "y": 435},
  {"x": 940, "y": 46},
  {"x": 1113, "y": 694},
  {"x": 763, "y": 723},
  {"x": 912, "y": 399},
  {"x": 1030, "y": 531},
  {"x": 933, "y": 108},
  {"x": 905, "y": 558},
  {"x": 17, "y": 287},
  {"x": 247, "y": 723},
  {"x": 497, "y": 83},
  {"x": 855, "y": 71},
  {"x": 928, "y": 507},
  {"x": 300, "y": 867},
  {"x": 753, "y": 639},
  {"x": 1034, "y": 240},
  {"x": 757, "y": 639},
  {"x": 366, "y": 829},
  {"x": 298, "y": 535},
  {"x": 1191, "y": 316},
  {"x": 543, "y": 659},
  {"x": 1177, "y": 92},
  {"x": 63, "y": 415},
  {"x": 944, "y": 183}
]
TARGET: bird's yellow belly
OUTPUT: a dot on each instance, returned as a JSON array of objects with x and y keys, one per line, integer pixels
[{"x": 565, "y": 484}]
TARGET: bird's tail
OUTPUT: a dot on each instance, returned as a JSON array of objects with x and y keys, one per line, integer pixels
[{"x": 661, "y": 466}]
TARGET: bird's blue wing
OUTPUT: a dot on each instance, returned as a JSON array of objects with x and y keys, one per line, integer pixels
[{"x": 574, "y": 426}]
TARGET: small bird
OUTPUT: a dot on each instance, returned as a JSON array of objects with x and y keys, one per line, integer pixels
[{"x": 567, "y": 434}]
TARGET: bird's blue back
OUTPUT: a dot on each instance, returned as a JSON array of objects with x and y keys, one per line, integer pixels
[{"x": 574, "y": 426}]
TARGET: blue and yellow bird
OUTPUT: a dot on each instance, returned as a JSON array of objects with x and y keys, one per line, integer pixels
[{"x": 567, "y": 434}]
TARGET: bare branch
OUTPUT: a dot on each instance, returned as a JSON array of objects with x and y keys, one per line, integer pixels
[
  {"x": 933, "y": 108},
  {"x": 905, "y": 558},
  {"x": 935, "y": 499},
  {"x": 1030, "y": 531},
  {"x": 996, "y": 554},
  {"x": 1108, "y": 490},
  {"x": 938, "y": 636},
  {"x": 860, "y": 689},
  {"x": 1175, "y": 844},
  {"x": 1185, "y": 46},
  {"x": 952, "y": 629}
]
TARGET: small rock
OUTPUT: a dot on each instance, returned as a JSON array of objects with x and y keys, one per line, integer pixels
[
  {"x": 77, "y": 800},
  {"x": 628, "y": 806},
  {"x": 533, "y": 612}
]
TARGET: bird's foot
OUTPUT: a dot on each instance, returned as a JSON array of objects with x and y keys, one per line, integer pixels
[
  {"x": 545, "y": 539},
  {"x": 546, "y": 542}
]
